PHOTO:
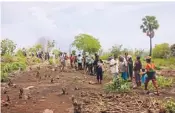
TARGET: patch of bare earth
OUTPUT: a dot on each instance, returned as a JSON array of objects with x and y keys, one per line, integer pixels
[{"x": 47, "y": 90}]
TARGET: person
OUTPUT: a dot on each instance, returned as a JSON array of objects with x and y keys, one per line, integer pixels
[
  {"x": 95, "y": 63},
  {"x": 76, "y": 63},
  {"x": 123, "y": 67},
  {"x": 99, "y": 71},
  {"x": 62, "y": 60},
  {"x": 114, "y": 66},
  {"x": 144, "y": 75},
  {"x": 87, "y": 64},
  {"x": 90, "y": 65},
  {"x": 79, "y": 62},
  {"x": 71, "y": 60},
  {"x": 137, "y": 68},
  {"x": 150, "y": 71},
  {"x": 127, "y": 65},
  {"x": 130, "y": 67}
]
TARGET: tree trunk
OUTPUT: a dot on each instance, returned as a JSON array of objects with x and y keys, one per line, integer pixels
[{"x": 150, "y": 53}]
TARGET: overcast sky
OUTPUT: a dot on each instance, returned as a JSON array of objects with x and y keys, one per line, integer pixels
[{"x": 110, "y": 22}]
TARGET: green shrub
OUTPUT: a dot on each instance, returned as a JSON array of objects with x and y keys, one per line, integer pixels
[
  {"x": 170, "y": 106},
  {"x": 105, "y": 56},
  {"x": 118, "y": 85},
  {"x": 50, "y": 61},
  {"x": 7, "y": 58}
]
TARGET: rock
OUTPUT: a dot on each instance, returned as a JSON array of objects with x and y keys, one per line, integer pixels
[
  {"x": 57, "y": 77},
  {"x": 76, "y": 88},
  {"x": 51, "y": 80},
  {"x": 29, "y": 87},
  {"x": 48, "y": 111},
  {"x": 90, "y": 82},
  {"x": 5, "y": 104},
  {"x": 14, "y": 85}
]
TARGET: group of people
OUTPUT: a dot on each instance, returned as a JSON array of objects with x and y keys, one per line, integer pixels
[
  {"x": 129, "y": 70},
  {"x": 91, "y": 65},
  {"x": 123, "y": 65}
]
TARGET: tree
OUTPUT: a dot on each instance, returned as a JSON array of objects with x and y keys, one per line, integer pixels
[
  {"x": 38, "y": 47},
  {"x": 161, "y": 50},
  {"x": 56, "y": 52},
  {"x": 50, "y": 45},
  {"x": 73, "y": 52},
  {"x": 7, "y": 47},
  {"x": 149, "y": 25},
  {"x": 172, "y": 50},
  {"x": 116, "y": 49},
  {"x": 86, "y": 43}
]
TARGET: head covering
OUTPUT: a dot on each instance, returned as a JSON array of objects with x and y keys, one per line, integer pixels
[
  {"x": 129, "y": 56},
  {"x": 148, "y": 57}
]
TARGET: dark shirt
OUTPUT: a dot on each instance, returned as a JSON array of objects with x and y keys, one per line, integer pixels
[{"x": 137, "y": 66}]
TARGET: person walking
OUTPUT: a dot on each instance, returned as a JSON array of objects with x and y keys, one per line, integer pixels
[
  {"x": 150, "y": 70},
  {"x": 62, "y": 60}
]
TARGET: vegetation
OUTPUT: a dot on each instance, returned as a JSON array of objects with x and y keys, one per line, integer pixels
[
  {"x": 86, "y": 43},
  {"x": 118, "y": 85},
  {"x": 162, "y": 82},
  {"x": 170, "y": 106},
  {"x": 7, "y": 47},
  {"x": 161, "y": 51},
  {"x": 149, "y": 25}
]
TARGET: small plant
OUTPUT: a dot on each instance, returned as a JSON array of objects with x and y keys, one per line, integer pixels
[
  {"x": 170, "y": 106},
  {"x": 118, "y": 85}
]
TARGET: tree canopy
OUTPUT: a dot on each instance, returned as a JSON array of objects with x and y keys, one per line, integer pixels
[
  {"x": 7, "y": 46},
  {"x": 161, "y": 50},
  {"x": 149, "y": 25},
  {"x": 87, "y": 43}
]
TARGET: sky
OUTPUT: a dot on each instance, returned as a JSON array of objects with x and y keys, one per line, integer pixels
[{"x": 111, "y": 22}]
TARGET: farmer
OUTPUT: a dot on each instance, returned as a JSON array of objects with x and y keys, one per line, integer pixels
[
  {"x": 114, "y": 66},
  {"x": 79, "y": 62},
  {"x": 62, "y": 60},
  {"x": 150, "y": 70},
  {"x": 137, "y": 69},
  {"x": 126, "y": 60},
  {"x": 99, "y": 71},
  {"x": 123, "y": 67},
  {"x": 90, "y": 65},
  {"x": 76, "y": 62},
  {"x": 95, "y": 63},
  {"x": 130, "y": 67},
  {"x": 87, "y": 64},
  {"x": 71, "y": 60}
]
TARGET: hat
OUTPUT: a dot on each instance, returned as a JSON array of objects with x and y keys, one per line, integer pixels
[
  {"x": 148, "y": 57},
  {"x": 129, "y": 56}
]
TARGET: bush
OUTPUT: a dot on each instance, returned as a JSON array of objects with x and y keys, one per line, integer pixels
[
  {"x": 118, "y": 85},
  {"x": 161, "y": 50},
  {"x": 170, "y": 106},
  {"x": 105, "y": 56},
  {"x": 165, "y": 62}
]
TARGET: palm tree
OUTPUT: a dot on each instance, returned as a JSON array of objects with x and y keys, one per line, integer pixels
[{"x": 148, "y": 26}]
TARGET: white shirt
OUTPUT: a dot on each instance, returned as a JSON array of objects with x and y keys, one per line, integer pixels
[{"x": 114, "y": 68}]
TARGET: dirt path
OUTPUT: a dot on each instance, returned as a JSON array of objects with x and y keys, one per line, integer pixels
[{"x": 47, "y": 95}]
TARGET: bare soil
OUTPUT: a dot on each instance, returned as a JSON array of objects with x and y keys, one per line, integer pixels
[{"x": 71, "y": 91}]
